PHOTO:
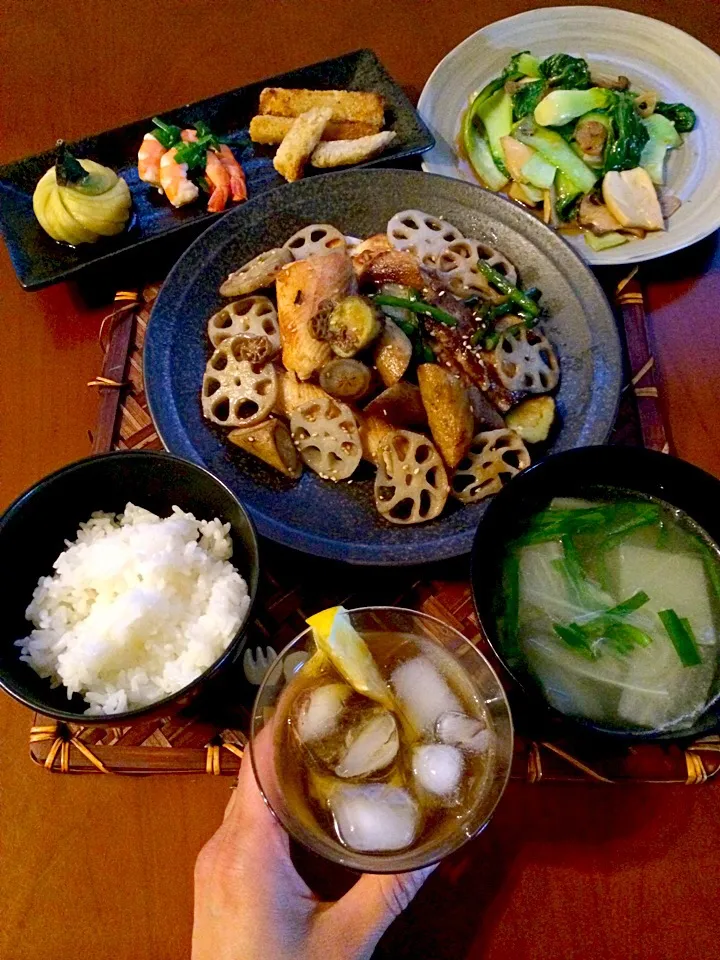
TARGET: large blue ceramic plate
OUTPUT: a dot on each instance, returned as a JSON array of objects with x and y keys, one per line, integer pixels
[{"x": 339, "y": 520}]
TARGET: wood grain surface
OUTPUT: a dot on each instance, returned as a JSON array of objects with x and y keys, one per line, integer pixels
[{"x": 102, "y": 867}]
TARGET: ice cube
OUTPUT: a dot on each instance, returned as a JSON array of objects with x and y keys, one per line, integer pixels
[
  {"x": 371, "y": 746},
  {"x": 374, "y": 817},
  {"x": 318, "y": 713},
  {"x": 438, "y": 768},
  {"x": 423, "y": 693},
  {"x": 468, "y": 733}
]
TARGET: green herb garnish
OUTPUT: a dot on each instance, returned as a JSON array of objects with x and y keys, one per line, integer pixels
[
  {"x": 682, "y": 637},
  {"x": 416, "y": 306},
  {"x": 166, "y": 134},
  {"x": 503, "y": 285}
]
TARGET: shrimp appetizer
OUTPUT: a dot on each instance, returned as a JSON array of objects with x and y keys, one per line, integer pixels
[
  {"x": 181, "y": 163},
  {"x": 416, "y": 350}
]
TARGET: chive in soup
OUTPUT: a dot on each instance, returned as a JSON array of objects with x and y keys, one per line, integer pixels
[{"x": 612, "y": 603}]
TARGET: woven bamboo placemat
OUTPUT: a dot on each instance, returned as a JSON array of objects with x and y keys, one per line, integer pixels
[{"x": 212, "y": 740}]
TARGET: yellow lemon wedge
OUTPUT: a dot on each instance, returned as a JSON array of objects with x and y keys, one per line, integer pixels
[{"x": 340, "y": 642}]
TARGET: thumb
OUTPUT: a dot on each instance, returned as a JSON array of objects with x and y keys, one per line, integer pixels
[{"x": 368, "y": 908}]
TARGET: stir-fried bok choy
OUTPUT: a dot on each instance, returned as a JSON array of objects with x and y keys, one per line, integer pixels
[{"x": 581, "y": 150}]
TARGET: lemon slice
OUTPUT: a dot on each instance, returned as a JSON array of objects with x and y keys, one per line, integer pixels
[{"x": 336, "y": 637}]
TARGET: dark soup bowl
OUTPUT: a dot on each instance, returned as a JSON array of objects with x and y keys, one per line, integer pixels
[
  {"x": 34, "y": 531},
  {"x": 550, "y": 591}
]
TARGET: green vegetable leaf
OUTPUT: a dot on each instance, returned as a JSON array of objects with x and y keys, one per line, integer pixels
[
  {"x": 165, "y": 133},
  {"x": 67, "y": 168},
  {"x": 527, "y": 97},
  {"x": 522, "y": 64},
  {"x": 627, "y": 136},
  {"x": 562, "y": 70},
  {"x": 681, "y": 115},
  {"x": 682, "y": 637}
]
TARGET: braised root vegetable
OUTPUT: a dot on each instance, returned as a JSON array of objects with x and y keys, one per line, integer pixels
[
  {"x": 292, "y": 393},
  {"x": 411, "y": 484},
  {"x": 325, "y": 433},
  {"x": 314, "y": 241},
  {"x": 392, "y": 353},
  {"x": 457, "y": 266},
  {"x": 235, "y": 393},
  {"x": 532, "y": 419},
  {"x": 420, "y": 234},
  {"x": 401, "y": 405},
  {"x": 631, "y": 198},
  {"x": 79, "y": 201},
  {"x": 345, "y": 379},
  {"x": 493, "y": 458},
  {"x": 374, "y": 431},
  {"x": 448, "y": 409},
  {"x": 353, "y": 325},
  {"x": 258, "y": 273},
  {"x": 272, "y": 443},
  {"x": 526, "y": 361},
  {"x": 254, "y": 316},
  {"x": 301, "y": 287}
]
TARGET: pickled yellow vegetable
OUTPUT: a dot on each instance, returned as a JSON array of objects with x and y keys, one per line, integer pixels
[{"x": 79, "y": 201}]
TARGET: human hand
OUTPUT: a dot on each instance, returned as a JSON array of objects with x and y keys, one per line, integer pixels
[{"x": 251, "y": 904}]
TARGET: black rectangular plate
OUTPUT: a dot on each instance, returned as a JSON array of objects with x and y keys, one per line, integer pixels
[{"x": 39, "y": 261}]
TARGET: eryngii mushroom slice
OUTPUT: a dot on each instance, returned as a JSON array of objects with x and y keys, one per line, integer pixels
[
  {"x": 401, "y": 405},
  {"x": 256, "y": 274},
  {"x": 392, "y": 353},
  {"x": 345, "y": 379},
  {"x": 411, "y": 484},
  {"x": 315, "y": 240},
  {"x": 326, "y": 435},
  {"x": 271, "y": 442},
  {"x": 235, "y": 393},
  {"x": 525, "y": 360},
  {"x": 302, "y": 286},
  {"x": 449, "y": 411},
  {"x": 421, "y": 234},
  {"x": 494, "y": 457},
  {"x": 251, "y": 315}
]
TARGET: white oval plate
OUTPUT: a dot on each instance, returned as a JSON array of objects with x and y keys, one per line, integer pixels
[{"x": 654, "y": 55}]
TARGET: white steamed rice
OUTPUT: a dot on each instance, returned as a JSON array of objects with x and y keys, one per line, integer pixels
[{"x": 137, "y": 608}]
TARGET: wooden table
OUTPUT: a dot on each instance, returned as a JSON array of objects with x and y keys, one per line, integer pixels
[{"x": 102, "y": 867}]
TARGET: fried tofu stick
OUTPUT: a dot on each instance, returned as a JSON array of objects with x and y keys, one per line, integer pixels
[
  {"x": 342, "y": 152},
  {"x": 300, "y": 141},
  {"x": 267, "y": 129},
  {"x": 345, "y": 104}
]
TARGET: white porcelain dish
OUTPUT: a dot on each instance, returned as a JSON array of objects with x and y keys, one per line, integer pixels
[{"x": 654, "y": 55}]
